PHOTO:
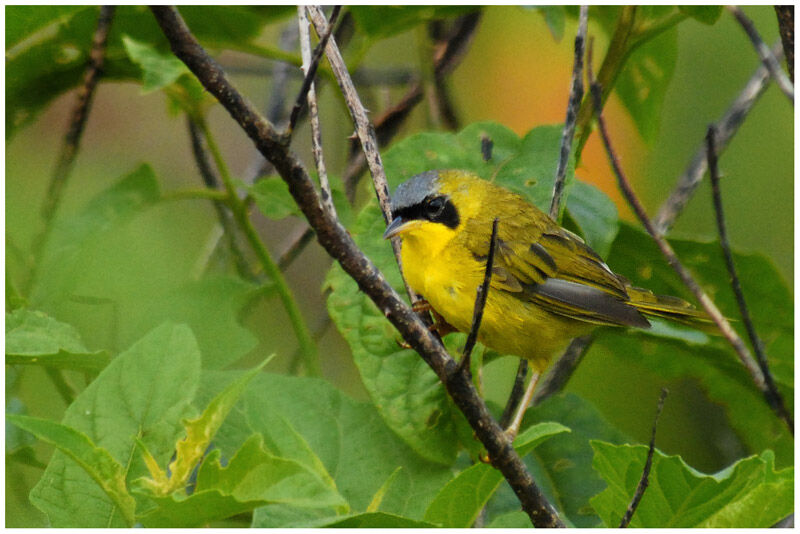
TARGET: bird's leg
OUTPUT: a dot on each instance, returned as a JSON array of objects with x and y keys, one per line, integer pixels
[
  {"x": 513, "y": 428},
  {"x": 440, "y": 325}
]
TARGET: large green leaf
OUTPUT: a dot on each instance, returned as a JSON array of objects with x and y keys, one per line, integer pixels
[
  {"x": 709, "y": 359},
  {"x": 461, "y": 500},
  {"x": 142, "y": 394},
  {"x": 748, "y": 494},
  {"x": 95, "y": 461},
  {"x": 52, "y": 46},
  {"x": 211, "y": 307},
  {"x": 252, "y": 478},
  {"x": 34, "y": 338},
  {"x": 349, "y": 438},
  {"x": 72, "y": 235}
]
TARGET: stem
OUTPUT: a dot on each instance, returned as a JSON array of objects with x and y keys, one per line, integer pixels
[
  {"x": 307, "y": 345},
  {"x": 201, "y": 193}
]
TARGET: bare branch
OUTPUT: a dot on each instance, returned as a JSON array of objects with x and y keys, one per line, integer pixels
[
  {"x": 573, "y": 105},
  {"x": 335, "y": 239},
  {"x": 517, "y": 390},
  {"x": 774, "y": 397},
  {"x": 666, "y": 249},
  {"x": 644, "y": 481},
  {"x": 786, "y": 26},
  {"x": 726, "y": 127},
  {"x": 296, "y": 245},
  {"x": 480, "y": 300},
  {"x": 562, "y": 370},
  {"x": 767, "y": 57},
  {"x": 309, "y": 66}
]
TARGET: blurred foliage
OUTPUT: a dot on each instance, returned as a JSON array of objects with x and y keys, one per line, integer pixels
[{"x": 132, "y": 307}]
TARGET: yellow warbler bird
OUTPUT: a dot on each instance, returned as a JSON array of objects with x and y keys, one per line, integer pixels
[{"x": 547, "y": 285}]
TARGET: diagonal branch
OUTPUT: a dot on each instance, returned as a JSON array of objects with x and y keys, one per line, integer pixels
[
  {"x": 786, "y": 26},
  {"x": 335, "y": 239},
  {"x": 666, "y": 249},
  {"x": 767, "y": 57},
  {"x": 726, "y": 127},
  {"x": 774, "y": 398},
  {"x": 644, "y": 481},
  {"x": 573, "y": 105}
]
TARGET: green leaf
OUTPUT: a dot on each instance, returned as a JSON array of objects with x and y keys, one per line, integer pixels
[
  {"x": 199, "y": 431},
  {"x": 252, "y": 478},
  {"x": 16, "y": 438},
  {"x": 460, "y": 502},
  {"x": 159, "y": 69},
  {"x": 25, "y": 22},
  {"x": 348, "y": 437},
  {"x": 142, "y": 394},
  {"x": 211, "y": 307},
  {"x": 380, "y": 22},
  {"x": 518, "y": 519},
  {"x": 35, "y": 338},
  {"x": 708, "y": 358},
  {"x": 705, "y": 14},
  {"x": 562, "y": 464},
  {"x": 95, "y": 461},
  {"x": 71, "y": 239},
  {"x": 643, "y": 82},
  {"x": 273, "y": 198},
  {"x": 595, "y": 215},
  {"x": 377, "y": 520},
  {"x": 748, "y": 494},
  {"x": 555, "y": 18}
]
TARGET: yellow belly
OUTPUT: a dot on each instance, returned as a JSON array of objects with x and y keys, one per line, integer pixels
[{"x": 449, "y": 281}]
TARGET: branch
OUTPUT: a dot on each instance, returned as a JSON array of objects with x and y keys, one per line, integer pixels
[
  {"x": 786, "y": 26},
  {"x": 562, "y": 370},
  {"x": 774, "y": 397},
  {"x": 666, "y": 249},
  {"x": 309, "y": 66},
  {"x": 644, "y": 480},
  {"x": 336, "y": 240},
  {"x": 517, "y": 390},
  {"x": 480, "y": 300},
  {"x": 573, "y": 104},
  {"x": 726, "y": 127},
  {"x": 767, "y": 57}
]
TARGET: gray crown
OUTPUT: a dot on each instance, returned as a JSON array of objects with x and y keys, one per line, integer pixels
[{"x": 415, "y": 189}]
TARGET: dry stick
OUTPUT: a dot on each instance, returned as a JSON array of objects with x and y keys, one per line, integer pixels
[
  {"x": 338, "y": 243},
  {"x": 774, "y": 397},
  {"x": 786, "y": 26},
  {"x": 309, "y": 67},
  {"x": 573, "y": 104},
  {"x": 480, "y": 301},
  {"x": 767, "y": 57},
  {"x": 644, "y": 481},
  {"x": 562, "y": 370},
  {"x": 366, "y": 134},
  {"x": 726, "y": 127},
  {"x": 446, "y": 56},
  {"x": 223, "y": 214},
  {"x": 666, "y": 249}
]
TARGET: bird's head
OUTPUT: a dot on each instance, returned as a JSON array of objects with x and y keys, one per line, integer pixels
[{"x": 434, "y": 204}]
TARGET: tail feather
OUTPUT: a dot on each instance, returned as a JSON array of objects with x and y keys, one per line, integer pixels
[{"x": 672, "y": 308}]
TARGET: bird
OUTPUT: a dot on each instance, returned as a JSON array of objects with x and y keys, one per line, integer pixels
[{"x": 547, "y": 285}]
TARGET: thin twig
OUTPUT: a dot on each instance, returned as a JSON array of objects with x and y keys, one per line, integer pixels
[
  {"x": 338, "y": 243},
  {"x": 480, "y": 300},
  {"x": 573, "y": 105},
  {"x": 223, "y": 213},
  {"x": 726, "y": 127},
  {"x": 517, "y": 390},
  {"x": 774, "y": 398},
  {"x": 666, "y": 249},
  {"x": 562, "y": 370},
  {"x": 309, "y": 65},
  {"x": 786, "y": 26},
  {"x": 767, "y": 57},
  {"x": 644, "y": 481},
  {"x": 296, "y": 245}
]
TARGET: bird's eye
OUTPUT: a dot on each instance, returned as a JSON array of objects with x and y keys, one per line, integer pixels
[{"x": 434, "y": 207}]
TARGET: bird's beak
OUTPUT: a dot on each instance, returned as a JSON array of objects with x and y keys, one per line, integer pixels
[{"x": 398, "y": 226}]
